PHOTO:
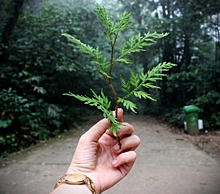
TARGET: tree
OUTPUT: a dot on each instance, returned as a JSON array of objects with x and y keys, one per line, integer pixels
[
  {"x": 9, "y": 13},
  {"x": 193, "y": 50}
]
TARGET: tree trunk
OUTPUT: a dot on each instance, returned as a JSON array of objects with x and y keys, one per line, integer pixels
[{"x": 15, "y": 8}]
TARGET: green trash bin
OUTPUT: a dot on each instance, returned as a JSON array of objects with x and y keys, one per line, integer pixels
[{"x": 191, "y": 118}]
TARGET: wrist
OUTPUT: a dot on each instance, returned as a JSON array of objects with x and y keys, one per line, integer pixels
[
  {"x": 72, "y": 170},
  {"x": 77, "y": 179},
  {"x": 71, "y": 189}
]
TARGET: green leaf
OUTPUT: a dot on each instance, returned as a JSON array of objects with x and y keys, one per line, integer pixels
[
  {"x": 124, "y": 60},
  {"x": 100, "y": 101},
  {"x": 141, "y": 94},
  {"x": 124, "y": 21},
  {"x": 106, "y": 20},
  {"x": 137, "y": 43},
  {"x": 114, "y": 127},
  {"x": 128, "y": 104},
  {"x": 40, "y": 90},
  {"x": 5, "y": 123}
]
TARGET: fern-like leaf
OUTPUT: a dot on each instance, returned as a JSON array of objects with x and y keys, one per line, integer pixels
[
  {"x": 128, "y": 104},
  {"x": 138, "y": 43},
  {"x": 97, "y": 57},
  {"x": 100, "y": 101},
  {"x": 146, "y": 80},
  {"x": 106, "y": 20}
]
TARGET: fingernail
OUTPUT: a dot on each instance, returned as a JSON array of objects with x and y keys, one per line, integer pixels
[
  {"x": 116, "y": 147},
  {"x": 114, "y": 163}
]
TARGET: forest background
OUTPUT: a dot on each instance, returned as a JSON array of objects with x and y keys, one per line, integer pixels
[{"x": 38, "y": 65}]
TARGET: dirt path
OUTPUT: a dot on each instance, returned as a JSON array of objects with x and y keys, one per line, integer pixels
[{"x": 167, "y": 163}]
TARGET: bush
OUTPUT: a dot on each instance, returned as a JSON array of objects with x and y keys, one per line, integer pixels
[{"x": 24, "y": 122}]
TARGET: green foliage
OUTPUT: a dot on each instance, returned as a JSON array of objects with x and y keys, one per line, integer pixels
[
  {"x": 136, "y": 82},
  {"x": 193, "y": 44},
  {"x": 138, "y": 43},
  {"x": 24, "y": 122},
  {"x": 112, "y": 27},
  {"x": 210, "y": 109},
  {"x": 38, "y": 67},
  {"x": 201, "y": 84}
]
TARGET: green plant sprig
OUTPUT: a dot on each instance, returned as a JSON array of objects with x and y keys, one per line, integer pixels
[{"x": 136, "y": 83}]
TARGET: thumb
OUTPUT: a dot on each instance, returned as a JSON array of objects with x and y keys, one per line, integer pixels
[{"x": 97, "y": 130}]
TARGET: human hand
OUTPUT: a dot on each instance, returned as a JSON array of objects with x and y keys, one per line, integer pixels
[{"x": 99, "y": 156}]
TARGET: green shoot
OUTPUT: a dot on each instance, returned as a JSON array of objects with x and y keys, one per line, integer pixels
[{"x": 137, "y": 83}]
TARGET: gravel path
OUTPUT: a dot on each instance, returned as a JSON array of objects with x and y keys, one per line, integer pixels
[{"x": 167, "y": 163}]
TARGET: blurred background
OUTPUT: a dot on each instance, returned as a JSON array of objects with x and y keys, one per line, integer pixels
[{"x": 38, "y": 64}]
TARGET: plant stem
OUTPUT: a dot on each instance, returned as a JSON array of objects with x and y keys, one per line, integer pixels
[{"x": 109, "y": 80}]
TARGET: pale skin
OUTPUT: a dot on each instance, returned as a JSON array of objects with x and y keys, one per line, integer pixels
[{"x": 99, "y": 157}]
